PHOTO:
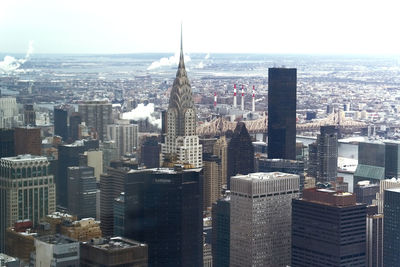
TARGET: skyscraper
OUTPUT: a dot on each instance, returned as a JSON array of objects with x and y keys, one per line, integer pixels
[
  {"x": 371, "y": 162},
  {"x": 261, "y": 218},
  {"x": 150, "y": 152},
  {"x": 328, "y": 229},
  {"x": 391, "y": 229},
  {"x": 7, "y": 147},
  {"x": 61, "y": 121},
  {"x": 282, "y": 83},
  {"x": 27, "y": 191},
  {"x": 221, "y": 226},
  {"x": 327, "y": 154},
  {"x": 97, "y": 114},
  {"x": 27, "y": 141},
  {"x": 392, "y": 159},
  {"x": 74, "y": 120},
  {"x": 125, "y": 136},
  {"x": 240, "y": 153},
  {"x": 163, "y": 208},
  {"x": 82, "y": 191},
  {"x": 181, "y": 143}
]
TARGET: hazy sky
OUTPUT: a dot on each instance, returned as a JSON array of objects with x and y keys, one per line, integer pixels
[{"x": 131, "y": 26}]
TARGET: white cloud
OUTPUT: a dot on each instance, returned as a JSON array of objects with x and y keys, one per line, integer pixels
[{"x": 168, "y": 61}]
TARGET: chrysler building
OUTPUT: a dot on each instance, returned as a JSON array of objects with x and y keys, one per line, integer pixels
[{"x": 181, "y": 142}]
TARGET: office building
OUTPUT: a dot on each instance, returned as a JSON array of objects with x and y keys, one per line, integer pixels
[
  {"x": 282, "y": 83},
  {"x": 29, "y": 115},
  {"x": 74, "y": 121},
  {"x": 125, "y": 136},
  {"x": 220, "y": 149},
  {"x": 110, "y": 153},
  {"x": 9, "y": 117},
  {"x": 27, "y": 141},
  {"x": 111, "y": 186},
  {"x": 374, "y": 240},
  {"x": 61, "y": 113},
  {"x": 80, "y": 230},
  {"x": 261, "y": 209},
  {"x": 20, "y": 240},
  {"x": 328, "y": 229},
  {"x": 56, "y": 250},
  {"x": 7, "y": 146},
  {"x": 68, "y": 156},
  {"x": 282, "y": 165},
  {"x": 150, "y": 152},
  {"x": 97, "y": 114},
  {"x": 221, "y": 232},
  {"x": 82, "y": 190},
  {"x": 383, "y": 186},
  {"x": 371, "y": 162},
  {"x": 27, "y": 191},
  {"x": 94, "y": 159},
  {"x": 240, "y": 153},
  {"x": 163, "y": 208},
  {"x": 327, "y": 146},
  {"x": 119, "y": 215},
  {"x": 212, "y": 184},
  {"x": 339, "y": 185},
  {"x": 181, "y": 142},
  {"x": 391, "y": 229},
  {"x": 392, "y": 159},
  {"x": 365, "y": 192},
  {"x": 115, "y": 251}
]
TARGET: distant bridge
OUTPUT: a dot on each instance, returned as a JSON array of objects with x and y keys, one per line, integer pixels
[{"x": 221, "y": 125}]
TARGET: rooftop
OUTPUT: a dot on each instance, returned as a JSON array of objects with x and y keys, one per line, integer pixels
[
  {"x": 263, "y": 176},
  {"x": 56, "y": 239},
  {"x": 25, "y": 157},
  {"x": 114, "y": 243}
]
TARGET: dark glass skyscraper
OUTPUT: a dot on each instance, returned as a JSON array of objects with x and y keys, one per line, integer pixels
[
  {"x": 7, "y": 143},
  {"x": 327, "y": 154},
  {"x": 282, "y": 83},
  {"x": 221, "y": 232},
  {"x": 163, "y": 208},
  {"x": 240, "y": 153},
  {"x": 391, "y": 229},
  {"x": 82, "y": 190},
  {"x": 61, "y": 122},
  {"x": 328, "y": 229},
  {"x": 392, "y": 159}
]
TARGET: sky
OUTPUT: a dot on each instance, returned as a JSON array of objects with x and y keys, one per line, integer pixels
[{"x": 209, "y": 26}]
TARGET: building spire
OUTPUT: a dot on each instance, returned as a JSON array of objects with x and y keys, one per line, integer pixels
[{"x": 181, "y": 58}]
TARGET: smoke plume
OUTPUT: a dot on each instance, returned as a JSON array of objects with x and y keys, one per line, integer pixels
[
  {"x": 143, "y": 112},
  {"x": 10, "y": 64},
  {"x": 167, "y": 61}
]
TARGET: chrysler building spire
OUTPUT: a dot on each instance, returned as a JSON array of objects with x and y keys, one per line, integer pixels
[{"x": 182, "y": 143}]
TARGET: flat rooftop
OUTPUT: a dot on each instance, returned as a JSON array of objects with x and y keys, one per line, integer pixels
[
  {"x": 56, "y": 239},
  {"x": 264, "y": 176},
  {"x": 114, "y": 243},
  {"x": 25, "y": 157}
]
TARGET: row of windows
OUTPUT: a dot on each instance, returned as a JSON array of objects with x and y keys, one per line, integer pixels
[{"x": 25, "y": 172}]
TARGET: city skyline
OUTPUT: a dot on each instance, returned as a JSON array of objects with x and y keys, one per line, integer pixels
[{"x": 304, "y": 27}]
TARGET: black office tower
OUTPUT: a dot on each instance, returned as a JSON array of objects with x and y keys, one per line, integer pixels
[
  {"x": 328, "y": 229},
  {"x": 240, "y": 153},
  {"x": 164, "y": 210},
  {"x": 7, "y": 148},
  {"x": 391, "y": 229},
  {"x": 282, "y": 84},
  {"x": 82, "y": 191},
  {"x": 221, "y": 215},
  {"x": 68, "y": 156},
  {"x": 61, "y": 122}
]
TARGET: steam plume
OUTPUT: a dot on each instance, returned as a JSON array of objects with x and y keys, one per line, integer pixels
[
  {"x": 143, "y": 112},
  {"x": 10, "y": 63},
  {"x": 167, "y": 61}
]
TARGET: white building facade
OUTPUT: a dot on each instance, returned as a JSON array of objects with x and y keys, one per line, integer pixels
[{"x": 261, "y": 214}]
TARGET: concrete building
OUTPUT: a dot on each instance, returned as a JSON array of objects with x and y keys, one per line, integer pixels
[
  {"x": 328, "y": 229},
  {"x": 115, "y": 251},
  {"x": 29, "y": 115},
  {"x": 261, "y": 206},
  {"x": 384, "y": 185},
  {"x": 82, "y": 190},
  {"x": 181, "y": 143},
  {"x": 212, "y": 184},
  {"x": 374, "y": 239},
  {"x": 95, "y": 160},
  {"x": 125, "y": 136},
  {"x": 56, "y": 250},
  {"x": 27, "y": 191},
  {"x": 365, "y": 192},
  {"x": 391, "y": 229},
  {"x": 282, "y": 87},
  {"x": 81, "y": 230},
  {"x": 9, "y": 117},
  {"x": 97, "y": 114},
  {"x": 110, "y": 152},
  {"x": 20, "y": 240}
]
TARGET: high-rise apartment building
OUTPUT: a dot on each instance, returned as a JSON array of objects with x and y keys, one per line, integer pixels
[
  {"x": 328, "y": 229},
  {"x": 82, "y": 190},
  {"x": 97, "y": 114},
  {"x": 181, "y": 142},
  {"x": 27, "y": 191},
  {"x": 282, "y": 83},
  {"x": 163, "y": 208},
  {"x": 260, "y": 216},
  {"x": 27, "y": 141},
  {"x": 240, "y": 153},
  {"x": 391, "y": 229},
  {"x": 125, "y": 136}
]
